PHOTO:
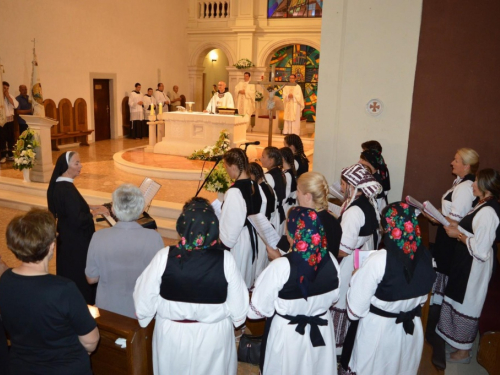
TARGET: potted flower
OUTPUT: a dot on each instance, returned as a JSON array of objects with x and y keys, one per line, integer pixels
[
  {"x": 24, "y": 153},
  {"x": 243, "y": 64},
  {"x": 219, "y": 181}
]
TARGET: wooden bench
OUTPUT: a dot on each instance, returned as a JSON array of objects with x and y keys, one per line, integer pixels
[{"x": 80, "y": 135}]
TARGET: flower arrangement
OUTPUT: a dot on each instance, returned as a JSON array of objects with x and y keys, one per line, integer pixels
[
  {"x": 258, "y": 96},
  {"x": 220, "y": 148},
  {"x": 219, "y": 180},
  {"x": 243, "y": 64},
  {"x": 24, "y": 153}
]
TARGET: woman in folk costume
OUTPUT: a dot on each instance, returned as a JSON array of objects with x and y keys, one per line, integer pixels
[
  {"x": 272, "y": 160},
  {"x": 267, "y": 207},
  {"x": 455, "y": 204},
  {"x": 291, "y": 178},
  {"x": 359, "y": 220},
  {"x": 294, "y": 104},
  {"x": 240, "y": 201},
  {"x": 389, "y": 289},
  {"x": 75, "y": 224},
  {"x": 374, "y": 160},
  {"x": 295, "y": 144},
  {"x": 312, "y": 192},
  {"x": 198, "y": 296},
  {"x": 294, "y": 293},
  {"x": 471, "y": 267}
]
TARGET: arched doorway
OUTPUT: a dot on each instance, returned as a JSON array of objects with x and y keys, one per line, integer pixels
[
  {"x": 214, "y": 70},
  {"x": 303, "y": 61}
]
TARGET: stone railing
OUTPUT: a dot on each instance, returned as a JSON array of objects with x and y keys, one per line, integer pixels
[{"x": 213, "y": 10}]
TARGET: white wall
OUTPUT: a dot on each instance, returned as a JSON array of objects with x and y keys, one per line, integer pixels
[
  {"x": 368, "y": 50},
  {"x": 132, "y": 40}
]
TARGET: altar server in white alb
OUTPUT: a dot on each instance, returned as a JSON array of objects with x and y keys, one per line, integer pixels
[
  {"x": 294, "y": 293},
  {"x": 161, "y": 98},
  {"x": 359, "y": 220},
  {"x": 198, "y": 297},
  {"x": 385, "y": 300},
  {"x": 471, "y": 268},
  {"x": 240, "y": 201},
  {"x": 245, "y": 96},
  {"x": 294, "y": 104},
  {"x": 136, "y": 112},
  {"x": 221, "y": 98}
]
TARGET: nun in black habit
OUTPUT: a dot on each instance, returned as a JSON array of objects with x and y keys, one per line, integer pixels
[{"x": 75, "y": 224}]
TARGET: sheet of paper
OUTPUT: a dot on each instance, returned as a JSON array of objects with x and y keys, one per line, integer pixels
[
  {"x": 94, "y": 311},
  {"x": 334, "y": 209},
  {"x": 335, "y": 191},
  {"x": 434, "y": 212},
  {"x": 265, "y": 230},
  {"x": 413, "y": 202},
  {"x": 149, "y": 188},
  {"x": 217, "y": 205}
]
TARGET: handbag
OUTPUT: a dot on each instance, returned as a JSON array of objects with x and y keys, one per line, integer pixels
[{"x": 249, "y": 349}]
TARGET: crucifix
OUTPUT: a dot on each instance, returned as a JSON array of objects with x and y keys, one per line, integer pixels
[{"x": 272, "y": 88}]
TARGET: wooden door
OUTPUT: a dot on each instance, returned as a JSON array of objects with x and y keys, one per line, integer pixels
[{"x": 101, "y": 109}]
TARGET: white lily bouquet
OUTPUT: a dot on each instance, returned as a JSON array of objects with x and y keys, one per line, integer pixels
[
  {"x": 243, "y": 64},
  {"x": 24, "y": 150}
]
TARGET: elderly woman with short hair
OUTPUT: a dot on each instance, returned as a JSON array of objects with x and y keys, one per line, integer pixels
[
  {"x": 118, "y": 255},
  {"x": 50, "y": 327}
]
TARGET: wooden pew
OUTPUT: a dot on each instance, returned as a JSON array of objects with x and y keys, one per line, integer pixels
[{"x": 110, "y": 359}]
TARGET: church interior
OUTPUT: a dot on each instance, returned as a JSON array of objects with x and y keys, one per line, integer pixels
[{"x": 420, "y": 77}]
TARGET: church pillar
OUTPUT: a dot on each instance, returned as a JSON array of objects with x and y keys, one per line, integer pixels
[{"x": 195, "y": 74}]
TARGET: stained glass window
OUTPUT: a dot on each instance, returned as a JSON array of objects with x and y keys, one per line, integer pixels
[
  {"x": 294, "y": 8},
  {"x": 303, "y": 61}
]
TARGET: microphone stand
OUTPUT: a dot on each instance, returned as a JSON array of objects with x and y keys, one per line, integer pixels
[{"x": 206, "y": 178}]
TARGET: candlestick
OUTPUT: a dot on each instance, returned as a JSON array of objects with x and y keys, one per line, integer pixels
[
  {"x": 161, "y": 109},
  {"x": 152, "y": 111}
]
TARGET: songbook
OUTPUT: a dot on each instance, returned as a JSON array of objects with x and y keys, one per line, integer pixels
[
  {"x": 265, "y": 230},
  {"x": 149, "y": 188},
  {"x": 360, "y": 257},
  {"x": 217, "y": 206},
  {"x": 335, "y": 191},
  {"x": 434, "y": 212},
  {"x": 334, "y": 209},
  {"x": 428, "y": 208}
]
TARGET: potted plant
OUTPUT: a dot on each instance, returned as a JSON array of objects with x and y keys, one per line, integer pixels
[{"x": 24, "y": 153}]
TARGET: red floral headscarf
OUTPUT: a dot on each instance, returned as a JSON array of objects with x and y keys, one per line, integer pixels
[
  {"x": 309, "y": 244},
  {"x": 402, "y": 234}
]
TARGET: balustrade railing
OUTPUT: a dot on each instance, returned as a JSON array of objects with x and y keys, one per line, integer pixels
[{"x": 211, "y": 10}]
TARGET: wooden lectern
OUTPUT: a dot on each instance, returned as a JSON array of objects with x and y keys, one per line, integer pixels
[{"x": 110, "y": 359}]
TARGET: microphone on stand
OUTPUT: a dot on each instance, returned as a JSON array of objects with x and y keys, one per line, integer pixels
[
  {"x": 216, "y": 158},
  {"x": 256, "y": 143}
]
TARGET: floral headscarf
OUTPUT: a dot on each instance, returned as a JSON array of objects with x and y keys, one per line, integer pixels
[
  {"x": 402, "y": 235},
  {"x": 376, "y": 159},
  {"x": 198, "y": 228},
  {"x": 309, "y": 247},
  {"x": 358, "y": 176}
]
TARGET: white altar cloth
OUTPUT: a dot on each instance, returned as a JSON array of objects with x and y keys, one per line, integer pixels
[{"x": 186, "y": 132}]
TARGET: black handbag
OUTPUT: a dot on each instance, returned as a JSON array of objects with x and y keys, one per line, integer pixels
[{"x": 249, "y": 349}]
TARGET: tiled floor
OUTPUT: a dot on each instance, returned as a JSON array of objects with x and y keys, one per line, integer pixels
[{"x": 100, "y": 174}]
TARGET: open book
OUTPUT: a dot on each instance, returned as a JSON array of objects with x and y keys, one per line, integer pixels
[
  {"x": 429, "y": 209},
  {"x": 334, "y": 209},
  {"x": 335, "y": 191},
  {"x": 217, "y": 206},
  {"x": 265, "y": 230}
]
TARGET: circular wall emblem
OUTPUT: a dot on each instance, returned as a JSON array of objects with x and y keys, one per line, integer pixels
[{"x": 374, "y": 107}]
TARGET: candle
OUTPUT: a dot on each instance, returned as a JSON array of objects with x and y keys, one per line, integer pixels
[
  {"x": 273, "y": 73},
  {"x": 161, "y": 109},
  {"x": 152, "y": 112}
]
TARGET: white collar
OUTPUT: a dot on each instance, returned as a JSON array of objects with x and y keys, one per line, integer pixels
[{"x": 67, "y": 179}]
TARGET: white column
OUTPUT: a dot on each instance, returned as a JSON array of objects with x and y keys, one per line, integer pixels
[
  {"x": 196, "y": 86},
  {"x": 43, "y": 168}
]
